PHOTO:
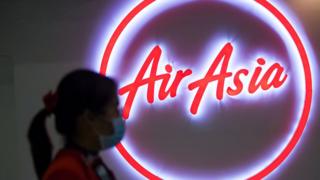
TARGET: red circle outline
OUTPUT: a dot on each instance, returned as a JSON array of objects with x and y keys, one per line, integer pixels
[{"x": 307, "y": 73}]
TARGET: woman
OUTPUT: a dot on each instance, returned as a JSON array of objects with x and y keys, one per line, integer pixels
[{"x": 85, "y": 107}]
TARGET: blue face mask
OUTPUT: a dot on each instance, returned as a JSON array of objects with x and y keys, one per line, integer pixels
[{"x": 108, "y": 141}]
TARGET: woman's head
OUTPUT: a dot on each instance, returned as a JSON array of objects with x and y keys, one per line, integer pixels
[
  {"x": 85, "y": 99},
  {"x": 85, "y": 106}
]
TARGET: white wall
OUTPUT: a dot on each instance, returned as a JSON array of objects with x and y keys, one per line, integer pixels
[
  {"x": 40, "y": 41},
  {"x": 8, "y": 132}
]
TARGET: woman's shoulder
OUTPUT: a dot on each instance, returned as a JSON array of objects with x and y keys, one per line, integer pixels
[{"x": 68, "y": 164}]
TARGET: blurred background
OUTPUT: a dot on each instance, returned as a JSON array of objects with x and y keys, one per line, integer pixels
[{"x": 41, "y": 40}]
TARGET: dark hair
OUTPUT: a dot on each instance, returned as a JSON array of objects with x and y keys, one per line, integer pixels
[{"x": 78, "y": 91}]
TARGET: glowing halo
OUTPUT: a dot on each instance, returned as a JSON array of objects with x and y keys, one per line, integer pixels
[{"x": 296, "y": 136}]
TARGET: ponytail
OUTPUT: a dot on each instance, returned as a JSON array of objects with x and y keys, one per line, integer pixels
[
  {"x": 41, "y": 147},
  {"x": 78, "y": 91}
]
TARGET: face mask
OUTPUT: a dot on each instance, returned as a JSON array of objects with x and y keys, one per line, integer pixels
[{"x": 108, "y": 141}]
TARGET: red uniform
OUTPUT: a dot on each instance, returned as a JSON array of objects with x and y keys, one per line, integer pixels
[{"x": 71, "y": 164}]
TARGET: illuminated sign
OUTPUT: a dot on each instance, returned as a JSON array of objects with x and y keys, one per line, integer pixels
[
  {"x": 153, "y": 78},
  {"x": 272, "y": 78}
]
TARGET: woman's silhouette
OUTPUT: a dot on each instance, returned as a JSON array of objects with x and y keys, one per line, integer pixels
[{"x": 85, "y": 107}]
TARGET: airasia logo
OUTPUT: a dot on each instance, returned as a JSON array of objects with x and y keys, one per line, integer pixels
[
  {"x": 274, "y": 77},
  {"x": 265, "y": 76}
]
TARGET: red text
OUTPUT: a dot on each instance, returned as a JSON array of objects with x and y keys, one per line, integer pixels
[{"x": 274, "y": 77}]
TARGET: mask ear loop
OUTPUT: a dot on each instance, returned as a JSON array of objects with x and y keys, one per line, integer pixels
[
  {"x": 88, "y": 120},
  {"x": 98, "y": 135}
]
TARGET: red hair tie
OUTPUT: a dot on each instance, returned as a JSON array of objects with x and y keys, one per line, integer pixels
[{"x": 50, "y": 101}]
